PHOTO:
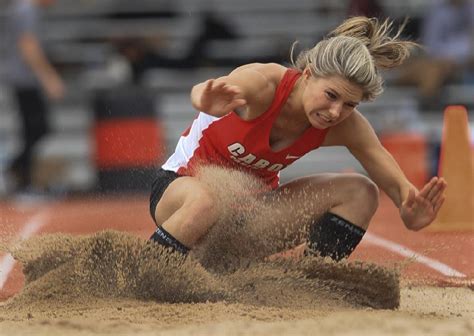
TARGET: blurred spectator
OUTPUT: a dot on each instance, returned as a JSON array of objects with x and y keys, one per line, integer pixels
[
  {"x": 30, "y": 75},
  {"x": 447, "y": 33}
]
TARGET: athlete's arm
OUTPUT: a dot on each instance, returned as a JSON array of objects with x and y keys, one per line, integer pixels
[
  {"x": 363, "y": 143},
  {"x": 245, "y": 87},
  {"x": 417, "y": 208}
]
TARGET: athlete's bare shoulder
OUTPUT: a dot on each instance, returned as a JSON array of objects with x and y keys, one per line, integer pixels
[
  {"x": 258, "y": 82},
  {"x": 263, "y": 74}
]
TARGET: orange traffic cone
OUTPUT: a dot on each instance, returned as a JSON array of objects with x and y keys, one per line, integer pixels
[{"x": 457, "y": 167}]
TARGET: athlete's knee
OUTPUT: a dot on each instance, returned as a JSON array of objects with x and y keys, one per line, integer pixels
[
  {"x": 203, "y": 203},
  {"x": 364, "y": 190},
  {"x": 201, "y": 209},
  {"x": 187, "y": 224}
]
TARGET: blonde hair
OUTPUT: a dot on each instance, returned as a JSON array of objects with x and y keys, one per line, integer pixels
[{"x": 356, "y": 50}]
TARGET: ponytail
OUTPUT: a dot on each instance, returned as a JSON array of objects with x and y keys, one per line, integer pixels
[
  {"x": 387, "y": 51},
  {"x": 356, "y": 50}
]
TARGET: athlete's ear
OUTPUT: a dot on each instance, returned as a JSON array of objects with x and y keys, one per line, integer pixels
[{"x": 307, "y": 73}]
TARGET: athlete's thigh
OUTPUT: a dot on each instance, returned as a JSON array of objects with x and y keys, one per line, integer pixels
[
  {"x": 295, "y": 204},
  {"x": 310, "y": 195},
  {"x": 180, "y": 192}
]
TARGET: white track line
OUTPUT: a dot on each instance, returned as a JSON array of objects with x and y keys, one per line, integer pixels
[
  {"x": 406, "y": 252},
  {"x": 29, "y": 229}
]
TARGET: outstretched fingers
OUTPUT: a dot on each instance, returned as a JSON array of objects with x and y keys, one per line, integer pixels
[
  {"x": 222, "y": 87},
  {"x": 236, "y": 103},
  {"x": 438, "y": 204},
  {"x": 209, "y": 85},
  {"x": 435, "y": 189},
  {"x": 429, "y": 188},
  {"x": 236, "y": 90},
  {"x": 439, "y": 192}
]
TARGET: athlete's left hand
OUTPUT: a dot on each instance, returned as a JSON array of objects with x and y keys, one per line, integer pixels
[{"x": 420, "y": 208}]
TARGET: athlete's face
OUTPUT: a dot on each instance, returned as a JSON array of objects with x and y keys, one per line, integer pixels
[{"x": 328, "y": 101}]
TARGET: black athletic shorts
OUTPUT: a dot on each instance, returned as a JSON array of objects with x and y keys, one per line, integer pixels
[{"x": 162, "y": 181}]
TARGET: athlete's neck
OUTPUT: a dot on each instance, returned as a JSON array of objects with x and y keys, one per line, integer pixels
[{"x": 292, "y": 112}]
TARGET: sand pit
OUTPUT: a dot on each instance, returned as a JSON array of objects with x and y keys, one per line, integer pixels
[
  {"x": 116, "y": 283},
  {"x": 447, "y": 312},
  {"x": 112, "y": 282}
]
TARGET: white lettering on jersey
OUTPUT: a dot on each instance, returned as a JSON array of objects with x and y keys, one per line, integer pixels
[
  {"x": 276, "y": 167},
  {"x": 260, "y": 164},
  {"x": 236, "y": 149},
  {"x": 237, "y": 152}
]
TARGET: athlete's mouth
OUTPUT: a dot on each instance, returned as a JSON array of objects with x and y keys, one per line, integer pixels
[
  {"x": 318, "y": 121},
  {"x": 324, "y": 118}
]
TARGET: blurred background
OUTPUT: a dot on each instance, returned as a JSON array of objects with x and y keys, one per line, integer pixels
[{"x": 94, "y": 94}]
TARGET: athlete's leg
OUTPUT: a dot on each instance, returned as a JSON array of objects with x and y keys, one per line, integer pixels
[
  {"x": 186, "y": 210},
  {"x": 336, "y": 207}
]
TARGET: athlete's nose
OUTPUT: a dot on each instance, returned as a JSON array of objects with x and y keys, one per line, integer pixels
[{"x": 335, "y": 111}]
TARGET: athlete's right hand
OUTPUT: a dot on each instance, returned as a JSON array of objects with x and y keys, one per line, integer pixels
[{"x": 219, "y": 98}]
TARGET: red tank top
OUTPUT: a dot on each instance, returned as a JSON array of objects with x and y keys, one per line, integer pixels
[{"x": 232, "y": 142}]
